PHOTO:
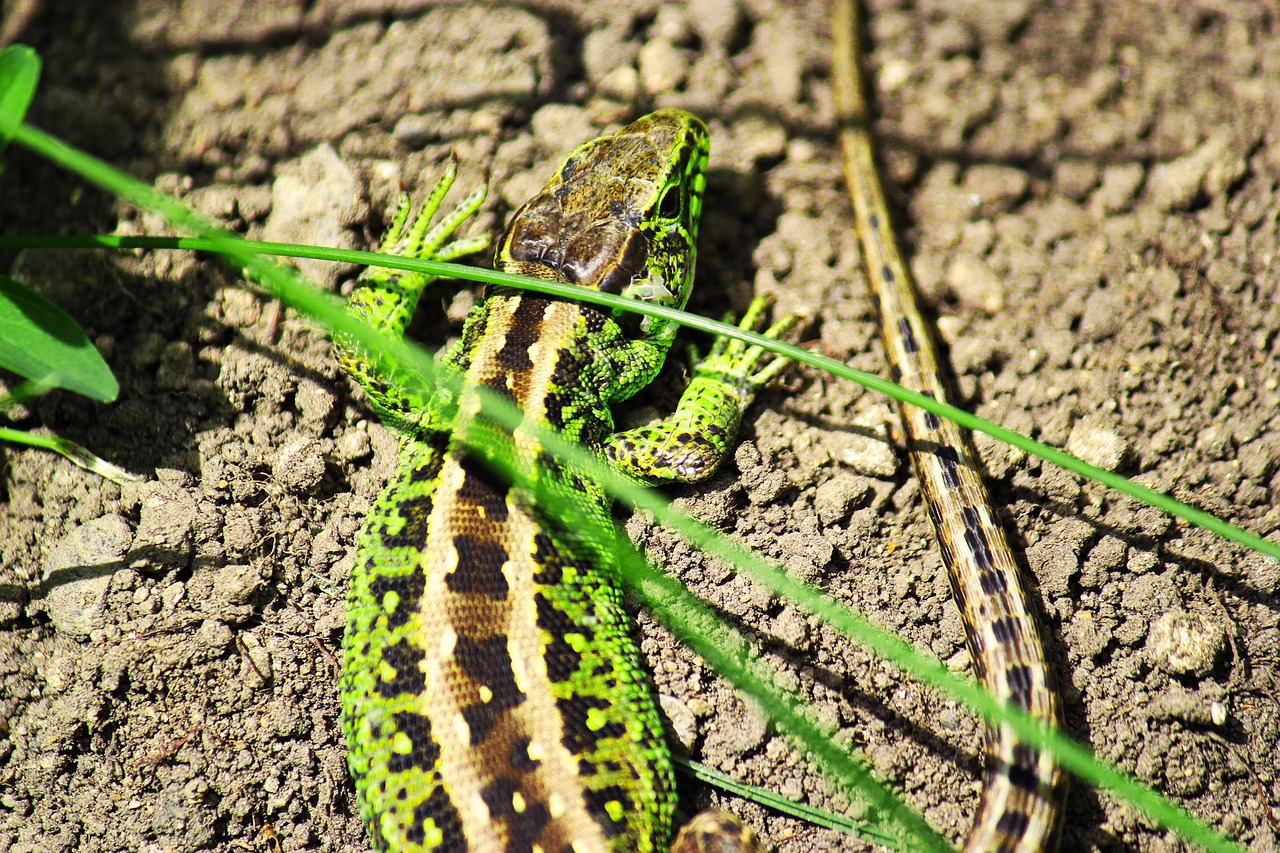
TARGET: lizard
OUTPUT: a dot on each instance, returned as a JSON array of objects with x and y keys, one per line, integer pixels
[{"x": 493, "y": 697}]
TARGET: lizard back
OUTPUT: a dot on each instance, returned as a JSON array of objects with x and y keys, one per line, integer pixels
[{"x": 493, "y": 696}]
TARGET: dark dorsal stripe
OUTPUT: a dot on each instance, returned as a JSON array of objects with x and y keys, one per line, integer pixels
[
  {"x": 523, "y": 825},
  {"x": 487, "y": 662},
  {"x": 479, "y": 570},
  {"x": 481, "y": 488}
]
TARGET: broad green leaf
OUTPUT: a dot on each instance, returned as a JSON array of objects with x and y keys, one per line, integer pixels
[
  {"x": 39, "y": 341},
  {"x": 19, "y": 73}
]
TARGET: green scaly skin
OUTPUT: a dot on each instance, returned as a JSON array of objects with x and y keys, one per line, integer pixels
[{"x": 493, "y": 697}]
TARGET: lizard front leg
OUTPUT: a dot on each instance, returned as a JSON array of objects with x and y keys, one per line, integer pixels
[
  {"x": 691, "y": 444},
  {"x": 386, "y": 298}
]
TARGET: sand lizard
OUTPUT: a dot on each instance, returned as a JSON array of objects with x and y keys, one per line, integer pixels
[{"x": 493, "y": 696}]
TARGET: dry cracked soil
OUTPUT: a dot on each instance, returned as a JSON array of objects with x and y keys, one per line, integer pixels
[{"x": 1088, "y": 193}]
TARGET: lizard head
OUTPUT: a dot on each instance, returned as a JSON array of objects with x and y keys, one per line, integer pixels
[{"x": 620, "y": 215}]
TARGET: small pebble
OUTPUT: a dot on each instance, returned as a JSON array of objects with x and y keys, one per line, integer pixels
[
  {"x": 1184, "y": 643},
  {"x": 683, "y": 722},
  {"x": 1075, "y": 178},
  {"x": 995, "y": 189},
  {"x": 1120, "y": 184},
  {"x": 256, "y": 670},
  {"x": 214, "y": 635},
  {"x": 718, "y": 22},
  {"x": 1097, "y": 445},
  {"x": 353, "y": 445},
  {"x": 237, "y": 584},
  {"x": 974, "y": 283},
  {"x": 78, "y": 570},
  {"x": 663, "y": 68},
  {"x": 316, "y": 199},
  {"x": 166, "y": 526},
  {"x": 868, "y": 455},
  {"x": 315, "y": 402},
  {"x": 299, "y": 466},
  {"x": 837, "y": 497},
  {"x": 1188, "y": 706},
  {"x": 173, "y": 594}
]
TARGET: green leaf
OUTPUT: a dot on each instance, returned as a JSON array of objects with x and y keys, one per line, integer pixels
[
  {"x": 19, "y": 73},
  {"x": 39, "y": 341}
]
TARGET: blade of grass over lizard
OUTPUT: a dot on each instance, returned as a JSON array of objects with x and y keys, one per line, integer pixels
[
  {"x": 493, "y": 697},
  {"x": 1071, "y": 755},
  {"x": 326, "y": 312},
  {"x": 880, "y": 385},
  {"x": 691, "y": 620}
]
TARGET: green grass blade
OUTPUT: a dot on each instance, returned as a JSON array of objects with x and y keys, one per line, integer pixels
[
  {"x": 724, "y": 650},
  {"x": 19, "y": 75},
  {"x": 329, "y": 311},
  {"x": 852, "y": 625},
  {"x": 73, "y": 452},
  {"x": 1074, "y": 757},
  {"x": 41, "y": 342},
  {"x": 696, "y": 626},
  {"x": 869, "y": 380},
  {"x": 800, "y": 811},
  {"x": 283, "y": 283},
  {"x": 1065, "y": 460},
  {"x": 26, "y": 391}
]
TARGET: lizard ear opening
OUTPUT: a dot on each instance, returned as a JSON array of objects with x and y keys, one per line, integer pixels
[{"x": 669, "y": 206}]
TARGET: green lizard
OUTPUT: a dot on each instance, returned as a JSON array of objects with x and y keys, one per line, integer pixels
[{"x": 493, "y": 696}]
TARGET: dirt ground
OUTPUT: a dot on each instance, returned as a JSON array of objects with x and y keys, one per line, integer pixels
[{"x": 1090, "y": 200}]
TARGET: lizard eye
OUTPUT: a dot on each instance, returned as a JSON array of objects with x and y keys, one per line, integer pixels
[{"x": 669, "y": 207}]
